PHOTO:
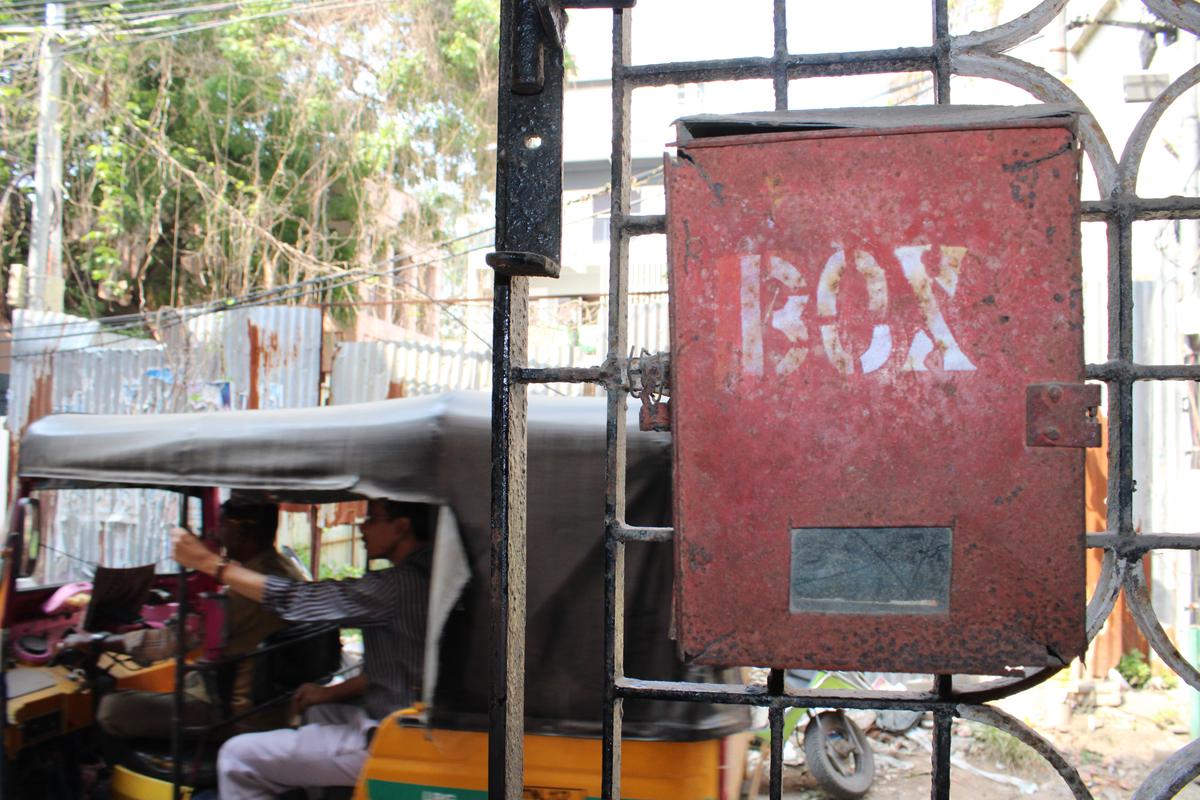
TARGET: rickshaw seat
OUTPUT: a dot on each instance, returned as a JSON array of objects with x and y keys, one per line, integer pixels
[
  {"x": 307, "y": 653},
  {"x": 297, "y": 659}
]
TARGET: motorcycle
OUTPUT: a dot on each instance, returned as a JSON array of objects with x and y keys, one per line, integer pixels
[{"x": 836, "y": 750}]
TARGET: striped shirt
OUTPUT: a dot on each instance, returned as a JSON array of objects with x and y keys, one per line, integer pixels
[{"x": 389, "y": 606}]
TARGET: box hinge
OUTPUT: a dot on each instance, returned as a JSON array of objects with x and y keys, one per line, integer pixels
[{"x": 1062, "y": 415}]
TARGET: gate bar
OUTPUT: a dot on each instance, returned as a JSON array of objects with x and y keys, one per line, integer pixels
[
  {"x": 528, "y": 241},
  {"x": 181, "y": 649},
  {"x": 817, "y": 65},
  {"x": 779, "y": 65},
  {"x": 941, "y": 51},
  {"x": 614, "y": 494},
  {"x": 775, "y": 715}
]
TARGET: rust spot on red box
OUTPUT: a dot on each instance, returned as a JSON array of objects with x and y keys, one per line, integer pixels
[{"x": 856, "y": 317}]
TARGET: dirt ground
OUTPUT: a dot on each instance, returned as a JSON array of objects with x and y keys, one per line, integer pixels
[{"x": 1113, "y": 747}]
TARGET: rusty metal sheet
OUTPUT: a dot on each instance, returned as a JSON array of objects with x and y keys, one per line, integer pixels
[
  {"x": 856, "y": 317},
  {"x": 367, "y": 371},
  {"x": 36, "y": 337},
  {"x": 269, "y": 355}
]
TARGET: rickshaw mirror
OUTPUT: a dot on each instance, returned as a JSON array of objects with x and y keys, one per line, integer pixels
[{"x": 32, "y": 536}]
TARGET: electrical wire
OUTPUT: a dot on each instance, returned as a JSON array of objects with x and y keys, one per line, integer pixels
[
  {"x": 113, "y": 22},
  {"x": 75, "y": 4},
  {"x": 121, "y": 11},
  {"x": 318, "y": 283},
  {"x": 320, "y": 5},
  {"x": 182, "y": 318},
  {"x": 265, "y": 294},
  {"x": 138, "y": 321}
]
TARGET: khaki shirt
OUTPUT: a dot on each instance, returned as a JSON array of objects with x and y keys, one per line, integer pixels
[{"x": 249, "y": 624}]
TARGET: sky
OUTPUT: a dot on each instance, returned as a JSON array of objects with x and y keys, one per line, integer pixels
[{"x": 712, "y": 29}]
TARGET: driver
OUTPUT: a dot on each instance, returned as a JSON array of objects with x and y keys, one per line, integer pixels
[
  {"x": 246, "y": 531},
  {"x": 389, "y": 605}
]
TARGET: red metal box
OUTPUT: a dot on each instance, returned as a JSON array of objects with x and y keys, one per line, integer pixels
[{"x": 876, "y": 362}]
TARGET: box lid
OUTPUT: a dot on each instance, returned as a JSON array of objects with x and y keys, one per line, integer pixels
[{"x": 712, "y": 126}]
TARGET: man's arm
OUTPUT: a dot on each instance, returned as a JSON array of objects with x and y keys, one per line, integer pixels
[
  {"x": 191, "y": 553},
  {"x": 144, "y": 646},
  {"x": 355, "y": 602}
]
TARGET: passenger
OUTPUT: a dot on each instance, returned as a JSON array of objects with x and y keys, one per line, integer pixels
[
  {"x": 247, "y": 533},
  {"x": 389, "y": 605}
]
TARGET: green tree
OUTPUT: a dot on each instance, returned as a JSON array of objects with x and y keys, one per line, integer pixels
[{"x": 208, "y": 156}]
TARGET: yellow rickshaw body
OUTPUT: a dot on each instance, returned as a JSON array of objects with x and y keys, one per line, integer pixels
[{"x": 409, "y": 761}]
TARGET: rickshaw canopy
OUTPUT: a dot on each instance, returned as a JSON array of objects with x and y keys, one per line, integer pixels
[
  {"x": 383, "y": 449},
  {"x": 436, "y": 449}
]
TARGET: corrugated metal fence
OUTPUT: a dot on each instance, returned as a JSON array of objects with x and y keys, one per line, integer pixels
[
  {"x": 242, "y": 358},
  {"x": 261, "y": 357}
]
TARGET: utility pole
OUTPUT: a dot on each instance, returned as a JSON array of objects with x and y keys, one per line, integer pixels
[{"x": 44, "y": 274}]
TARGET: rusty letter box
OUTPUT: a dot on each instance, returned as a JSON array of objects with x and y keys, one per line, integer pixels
[{"x": 877, "y": 388}]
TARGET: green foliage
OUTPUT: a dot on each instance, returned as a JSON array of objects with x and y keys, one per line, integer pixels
[
  {"x": 339, "y": 571},
  {"x": 256, "y": 153},
  {"x": 1167, "y": 718},
  {"x": 1002, "y": 747},
  {"x": 1134, "y": 669},
  {"x": 328, "y": 570}
]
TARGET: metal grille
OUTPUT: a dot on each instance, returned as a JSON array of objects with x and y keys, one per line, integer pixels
[{"x": 528, "y": 241}]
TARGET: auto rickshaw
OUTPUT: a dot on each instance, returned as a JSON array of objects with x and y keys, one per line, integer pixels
[{"x": 434, "y": 450}]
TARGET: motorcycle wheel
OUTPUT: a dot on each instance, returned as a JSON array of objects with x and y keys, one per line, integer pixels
[{"x": 838, "y": 755}]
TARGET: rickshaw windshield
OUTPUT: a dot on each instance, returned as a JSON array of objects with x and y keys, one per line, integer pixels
[{"x": 116, "y": 527}]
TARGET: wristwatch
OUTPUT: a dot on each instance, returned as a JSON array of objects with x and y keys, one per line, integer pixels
[{"x": 221, "y": 565}]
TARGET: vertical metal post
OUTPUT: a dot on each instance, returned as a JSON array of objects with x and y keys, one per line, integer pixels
[
  {"x": 779, "y": 67},
  {"x": 528, "y": 241},
  {"x": 181, "y": 598},
  {"x": 775, "y": 717},
  {"x": 1120, "y": 390},
  {"x": 941, "y": 51},
  {"x": 614, "y": 499},
  {"x": 9, "y": 558},
  {"x": 506, "y": 697},
  {"x": 940, "y": 783},
  {"x": 314, "y": 543},
  {"x": 44, "y": 266},
  {"x": 942, "y": 727},
  {"x": 3, "y": 710}
]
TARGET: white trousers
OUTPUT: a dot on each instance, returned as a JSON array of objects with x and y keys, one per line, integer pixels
[{"x": 327, "y": 750}]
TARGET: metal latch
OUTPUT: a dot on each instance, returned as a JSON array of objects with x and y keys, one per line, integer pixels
[
  {"x": 651, "y": 379},
  {"x": 1062, "y": 415}
]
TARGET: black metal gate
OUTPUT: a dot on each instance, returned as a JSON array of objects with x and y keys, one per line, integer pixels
[{"x": 528, "y": 241}]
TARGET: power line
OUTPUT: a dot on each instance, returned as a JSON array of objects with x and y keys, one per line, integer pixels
[
  {"x": 320, "y": 5},
  {"x": 41, "y": 4},
  {"x": 91, "y": 23},
  {"x": 185, "y": 315},
  {"x": 250, "y": 300},
  {"x": 291, "y": 291},
  {"x": 272, "y": 293},
  {"x": 134, "y": 10},
  {"x": 366, "y": 273}
]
